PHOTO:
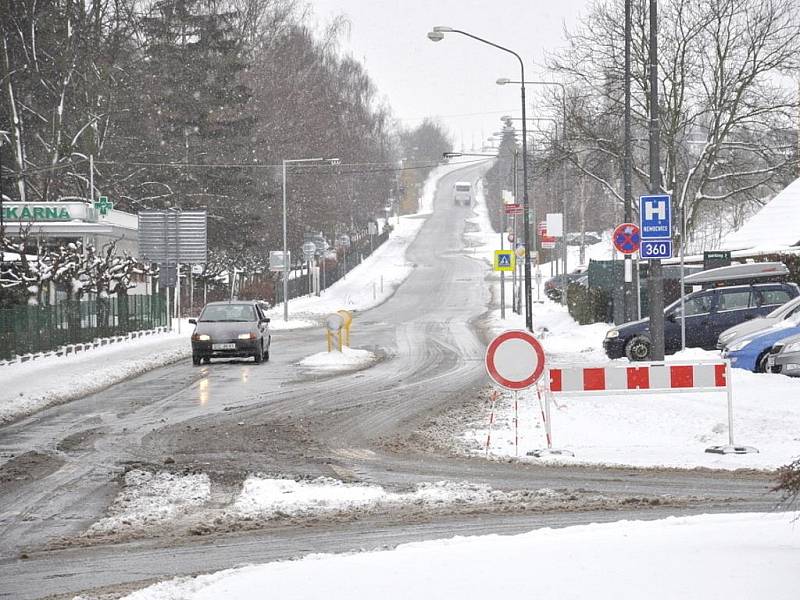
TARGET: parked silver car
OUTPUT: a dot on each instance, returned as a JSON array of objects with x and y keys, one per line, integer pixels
[
  {"x": 784, "y": 311},
  {"x": 784, "y": 357}
]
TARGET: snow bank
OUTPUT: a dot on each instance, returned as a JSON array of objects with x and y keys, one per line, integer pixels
[
  {"x": 347, "y": 359},
  {"x": 715, "y": 557},
  {"x": 34, "y": 385},
  {"x": 271, "y": 498}
]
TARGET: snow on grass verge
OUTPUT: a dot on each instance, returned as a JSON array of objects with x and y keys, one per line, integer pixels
[
  {"x": 714, "y": 557},
  {"x": 151, "y": 499},
  {"x": 346, "y": 360},
  {"x": 31, "y": 386}
]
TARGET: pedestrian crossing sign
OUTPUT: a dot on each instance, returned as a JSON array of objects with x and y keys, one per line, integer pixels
[{"x": 504, "y": 260}]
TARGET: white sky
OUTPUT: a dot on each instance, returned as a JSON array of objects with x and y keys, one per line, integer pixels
[{"x": 453, "y": 79}]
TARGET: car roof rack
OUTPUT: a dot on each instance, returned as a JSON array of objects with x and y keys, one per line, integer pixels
[{"x": 739, "y": 274}]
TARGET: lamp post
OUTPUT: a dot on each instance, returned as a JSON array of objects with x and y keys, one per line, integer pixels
[
  {"x": 286, "y": 161},
  {"x": 436, "y": 35},
  {"x": 508, "y": 118}
]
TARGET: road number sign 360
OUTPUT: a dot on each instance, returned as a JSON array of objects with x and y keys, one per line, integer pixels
[{"x": 515, "y": 360}]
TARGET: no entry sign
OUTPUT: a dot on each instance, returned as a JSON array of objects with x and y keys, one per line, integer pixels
[
  {"x": 627, "y": 238},
  {"x": 515, "y": 360}
]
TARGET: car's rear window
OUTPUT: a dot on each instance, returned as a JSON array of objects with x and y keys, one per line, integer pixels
[
  {"x": 774, "y": 297},
  {"x": 228, "y": 312},
  {"x": 463, "y": 188}
]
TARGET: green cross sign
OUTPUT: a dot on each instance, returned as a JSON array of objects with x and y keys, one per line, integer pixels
[{"x": 103, "y": 205}]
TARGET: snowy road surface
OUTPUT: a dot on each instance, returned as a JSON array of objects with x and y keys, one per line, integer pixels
[{"x": 389, "y": 426}]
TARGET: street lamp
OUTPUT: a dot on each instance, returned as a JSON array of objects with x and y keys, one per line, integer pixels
[
  {"x": 286, "y": 161},
  {"x": 436, "y": 35},
  {"x": 506, "y": 81}
]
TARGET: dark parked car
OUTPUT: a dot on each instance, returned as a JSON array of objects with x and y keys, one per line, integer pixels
[
  {"x": 554, "y": 285},
  {"x": 708, "y": 313},
  {"x": 231, "y": 329}
]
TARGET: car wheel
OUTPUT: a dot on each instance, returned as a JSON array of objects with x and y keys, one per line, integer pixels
[
  {"x": 638, "y": 348},
  {"x": 761, "y": 362},
  {"x": 207, "y": 360},
  {"x": 195, "y": 360},
  {"x": 259, "y": 355}
]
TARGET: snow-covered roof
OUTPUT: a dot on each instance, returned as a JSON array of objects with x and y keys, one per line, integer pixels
[{"x": 774, "y": 227}]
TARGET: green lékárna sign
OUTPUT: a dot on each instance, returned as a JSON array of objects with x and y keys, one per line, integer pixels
[{"x": 36, "y": 213}]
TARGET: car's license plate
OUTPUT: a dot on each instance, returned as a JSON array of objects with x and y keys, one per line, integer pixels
[{"x": 223, "y": 346}]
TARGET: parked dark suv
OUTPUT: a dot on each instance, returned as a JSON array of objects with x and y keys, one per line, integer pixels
[{"x": 708, "y": 313}]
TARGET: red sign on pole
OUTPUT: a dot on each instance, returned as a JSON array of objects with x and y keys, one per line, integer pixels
[
  {"x": 515, "y": 359},
  {"x": 547, "y": 241},
  {"x": 626, "y": 238},
  {"x": 513, "y": 209}
]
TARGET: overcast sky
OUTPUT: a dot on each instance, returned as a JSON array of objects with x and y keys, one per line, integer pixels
[{"x": 453, "y": 79}]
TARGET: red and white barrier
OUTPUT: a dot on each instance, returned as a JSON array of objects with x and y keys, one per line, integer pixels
[
  {"x": 704, "y": 375},
  {"x": 626, "y": 378}
]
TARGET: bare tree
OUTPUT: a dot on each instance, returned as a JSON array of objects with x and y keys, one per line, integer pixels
[{"x": 725, "y": 115}]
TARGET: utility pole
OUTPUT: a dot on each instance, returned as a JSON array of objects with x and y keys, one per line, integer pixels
[
  {"x": 655, "y": 282},
  {"x": 628, "y": 309}
]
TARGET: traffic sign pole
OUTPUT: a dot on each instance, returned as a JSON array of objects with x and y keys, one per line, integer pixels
[{"x": 655, "y": 277}]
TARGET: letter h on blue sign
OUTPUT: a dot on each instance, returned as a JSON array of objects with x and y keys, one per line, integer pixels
[{"x": 655, "y": 215}]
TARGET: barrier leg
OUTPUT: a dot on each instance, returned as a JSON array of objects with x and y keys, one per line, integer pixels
[
  {"x": 516, "y": 425},
  {"x": 731, "y": 448},
  {"x": 548, "y": 429},
  {"x": 494, "y": 397}
]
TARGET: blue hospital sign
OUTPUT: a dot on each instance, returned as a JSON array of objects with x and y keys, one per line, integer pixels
[{"x": 655, "y": 217}]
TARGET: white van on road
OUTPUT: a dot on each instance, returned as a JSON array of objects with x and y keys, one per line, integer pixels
[{"x": 462, "y": 193}]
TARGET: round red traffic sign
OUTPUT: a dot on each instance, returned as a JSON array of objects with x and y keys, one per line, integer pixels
[
  {"x": 515, "y": 359},
  {"x": 626, "y": 238}
]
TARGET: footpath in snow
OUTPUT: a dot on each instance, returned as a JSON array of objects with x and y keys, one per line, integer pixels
[{"x": 641, "y": 430}]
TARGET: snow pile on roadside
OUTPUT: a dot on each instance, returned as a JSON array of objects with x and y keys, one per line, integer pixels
[
  {"x": 34, "y": 385},
  {"x": 707, "y": 556},
  {"x": 273, "y": 498},
  {"x": 152, "y": 498},
  {"x": 368, "y": 285},
  {"x": 347, "y": 359}
]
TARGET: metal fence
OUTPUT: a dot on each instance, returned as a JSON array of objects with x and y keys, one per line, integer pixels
[
  {"x": 330, "y": 272},
  {"x": 25, "y": 329}
]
